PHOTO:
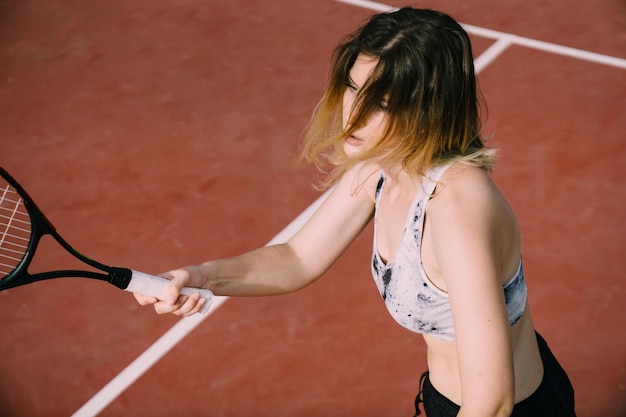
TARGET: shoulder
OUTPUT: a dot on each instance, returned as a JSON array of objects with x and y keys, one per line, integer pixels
[
  {"x": 459, "y": 177},
  {"x": 460, "y": 183},
  {"x": 466, "y": 194}
]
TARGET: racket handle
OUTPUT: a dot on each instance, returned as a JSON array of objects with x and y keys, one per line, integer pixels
[{"x": 151, "y": 285}]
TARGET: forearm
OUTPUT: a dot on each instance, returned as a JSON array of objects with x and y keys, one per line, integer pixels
[{"x": 270, "y": 270}]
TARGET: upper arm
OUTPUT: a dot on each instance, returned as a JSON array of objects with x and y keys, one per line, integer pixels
[
  {"x": 336, "y": 223},
  {"x": 466, "y": 221}
]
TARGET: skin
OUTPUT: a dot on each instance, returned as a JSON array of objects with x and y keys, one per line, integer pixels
[{"x": 470, "y": 248}]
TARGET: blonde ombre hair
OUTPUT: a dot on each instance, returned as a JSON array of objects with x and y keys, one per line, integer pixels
[{"x": 424, "y": 73}]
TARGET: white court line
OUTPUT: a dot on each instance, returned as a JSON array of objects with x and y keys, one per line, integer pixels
[
  {"x": 372, "y": 5},
  {"x": 174, "y": 335},
  {"x": 181, "y": 329},
  {"x": 491, "y": 54},
  {"x": 514, "y": 39}
]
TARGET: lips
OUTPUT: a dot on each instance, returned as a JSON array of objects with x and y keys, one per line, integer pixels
[{"x": 353, "y": 140}]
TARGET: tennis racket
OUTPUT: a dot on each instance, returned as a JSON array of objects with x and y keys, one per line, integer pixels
[{"x": 22, "y": 225}]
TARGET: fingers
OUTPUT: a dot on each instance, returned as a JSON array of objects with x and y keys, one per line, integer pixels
[
  {"x": 184, "y": 306},
  {"x": 178, "y": 279},
  {"x": 170, "y": 300},
  {"x": 197, "y": 302},
  {"x": 144, "y": 300}
]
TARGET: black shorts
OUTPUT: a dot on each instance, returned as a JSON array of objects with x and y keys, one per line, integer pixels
[{"x": 553, "y": 398}]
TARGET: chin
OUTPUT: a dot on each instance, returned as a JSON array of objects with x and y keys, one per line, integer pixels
[{"x": 352, "y": 150}]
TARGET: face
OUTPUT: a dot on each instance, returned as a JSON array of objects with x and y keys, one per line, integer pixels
[{"x": 368, "y": 135}]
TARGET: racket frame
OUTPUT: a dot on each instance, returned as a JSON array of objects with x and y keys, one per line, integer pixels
[{"x": 41, "y": 226}]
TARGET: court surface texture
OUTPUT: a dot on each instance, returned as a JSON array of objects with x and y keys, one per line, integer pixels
[{"x": 162, "y": 133}]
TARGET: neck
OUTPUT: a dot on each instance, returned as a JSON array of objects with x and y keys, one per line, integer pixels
[{"x": 400, "y": 180}]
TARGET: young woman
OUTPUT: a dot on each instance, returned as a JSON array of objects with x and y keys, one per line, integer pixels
[{"x": 400, "y": 127}]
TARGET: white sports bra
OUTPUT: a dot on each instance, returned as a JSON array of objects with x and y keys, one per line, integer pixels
[{"x": 411, "y": 299}]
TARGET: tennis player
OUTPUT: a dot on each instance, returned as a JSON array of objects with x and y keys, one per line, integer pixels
[{"x": 400, "y": 127}]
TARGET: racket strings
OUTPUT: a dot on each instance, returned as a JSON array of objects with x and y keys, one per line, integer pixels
[{"x": 15, "y": 229}]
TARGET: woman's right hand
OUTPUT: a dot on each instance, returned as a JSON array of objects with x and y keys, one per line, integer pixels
[{"x": 174, "y": 302}]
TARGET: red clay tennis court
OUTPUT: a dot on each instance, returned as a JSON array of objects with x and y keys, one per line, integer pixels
[{"x": 158, "y": 134}]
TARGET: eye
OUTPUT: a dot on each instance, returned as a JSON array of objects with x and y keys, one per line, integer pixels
[
  {"x": 384, "y": 105},
  {"x": 351, "y": 87}
]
